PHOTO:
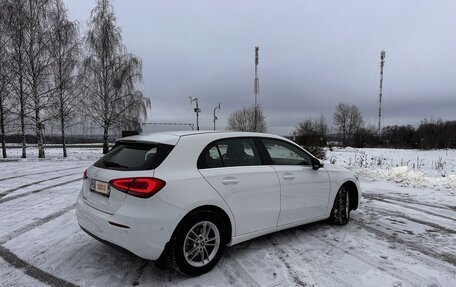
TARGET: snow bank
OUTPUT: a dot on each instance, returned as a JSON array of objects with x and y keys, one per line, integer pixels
[
  {"x": 403, "y": 174},
  {"x": 435, "y": 168}
]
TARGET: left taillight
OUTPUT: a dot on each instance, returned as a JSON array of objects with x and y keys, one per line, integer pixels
[
  {"x": 84, "y": 175},
  {"x": 138, "y": 186}
]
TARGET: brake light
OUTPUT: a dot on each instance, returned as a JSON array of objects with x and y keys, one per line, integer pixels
[
  {"x": 138, "y": 186},
  {"x": 84, "y": 175}
]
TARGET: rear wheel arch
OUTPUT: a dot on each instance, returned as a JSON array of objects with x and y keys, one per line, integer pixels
[{"x": 219, "y": 212}]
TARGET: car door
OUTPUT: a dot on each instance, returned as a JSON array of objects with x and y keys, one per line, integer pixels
[
  {"x": 233, "y": 167},
  {"x": 304, "y": 191}
]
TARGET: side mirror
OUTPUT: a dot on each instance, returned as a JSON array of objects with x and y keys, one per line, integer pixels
[{"x": 316, "y": 164}]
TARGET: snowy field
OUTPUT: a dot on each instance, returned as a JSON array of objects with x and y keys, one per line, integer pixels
[
  {"x": 403, "y": 234},
  {"x": 435, "y": 169}
]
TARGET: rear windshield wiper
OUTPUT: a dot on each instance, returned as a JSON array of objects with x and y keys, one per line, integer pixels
[{"x": 114, "y": 164}]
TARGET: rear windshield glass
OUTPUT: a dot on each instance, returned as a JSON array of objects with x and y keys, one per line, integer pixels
[{"x": 134, "y": 156}]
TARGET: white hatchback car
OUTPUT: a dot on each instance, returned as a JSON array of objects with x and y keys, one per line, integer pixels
[{"x": 184, "y": 196}]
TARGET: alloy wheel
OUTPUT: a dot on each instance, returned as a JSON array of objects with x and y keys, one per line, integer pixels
[{"x": 201, "y": 243}]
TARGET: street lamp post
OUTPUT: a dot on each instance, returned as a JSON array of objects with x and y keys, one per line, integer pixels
[
  {"x": 197, "y": 110},
  {"x": 215, "y": 117}
]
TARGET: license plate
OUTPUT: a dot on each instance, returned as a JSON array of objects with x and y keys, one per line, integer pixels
[{"x": 100, "y": 187}]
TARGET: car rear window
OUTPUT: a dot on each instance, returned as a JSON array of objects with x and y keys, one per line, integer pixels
[{"x": 134, "y": 156}]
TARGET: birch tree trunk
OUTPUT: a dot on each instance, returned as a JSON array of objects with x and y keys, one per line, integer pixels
[
  {"x": 2, "y": 127},
  {"x": 65, "y": 54}
]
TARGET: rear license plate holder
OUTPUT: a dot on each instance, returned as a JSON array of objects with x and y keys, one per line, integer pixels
[{"x": 100, "y": 187}]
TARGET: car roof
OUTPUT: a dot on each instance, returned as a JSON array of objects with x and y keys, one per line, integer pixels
[{"x": 173, "y": 137}]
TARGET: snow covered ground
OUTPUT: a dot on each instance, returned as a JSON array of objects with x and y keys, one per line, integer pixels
[
  {"x": 403, "y": 234},
  {"x": 434, "y": 168}
]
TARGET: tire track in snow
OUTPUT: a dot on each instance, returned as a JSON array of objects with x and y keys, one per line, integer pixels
[
  {"x": 304, "y": 259},
  {"x": 406, "y": 276},
  {"x": 42, "y": 172},
  {"x": 387, "y": 212},
  {"x": 31, "y": 270},
  {"x": 314, "y": 261},
  {"x": 35, "y": 224},
  {"x": 234, "y": 273},
  {"x": 449, "y": 258},
  {"x": 295, "y": 274},
  {"x": 2, "y": 200},
  {"x": 140, "y": 272},
  {"x": 440, "y": 206},
  {"x": 409, "y": 207},
  {"x": 6, "y": 192}
]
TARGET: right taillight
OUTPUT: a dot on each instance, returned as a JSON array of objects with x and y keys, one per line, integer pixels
[{"x": 138, "y": 186}]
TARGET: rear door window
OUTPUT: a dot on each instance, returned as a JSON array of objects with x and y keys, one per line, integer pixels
[
  {"x": 134, "y": 156},
  {"x": 230, "y": 152},
  {"x": 212, "y": 158}
]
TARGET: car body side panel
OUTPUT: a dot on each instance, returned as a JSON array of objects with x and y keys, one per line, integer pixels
[
  {"x": 185, "y": 186},
  {"x": 254, "y": 196},
  {"x": 241, "y": 238},
  {"x": 304, "y": 193}
]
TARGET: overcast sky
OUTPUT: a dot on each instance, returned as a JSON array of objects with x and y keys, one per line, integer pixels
[{"x": 313, "y": 55}]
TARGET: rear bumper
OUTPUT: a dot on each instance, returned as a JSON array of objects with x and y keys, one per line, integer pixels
[
  {"x": 121, "y": 249},
  {"x": 151, "y": 224}
]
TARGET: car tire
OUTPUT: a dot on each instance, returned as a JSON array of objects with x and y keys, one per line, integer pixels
[
  {"x": 197, "y": 244},
  {"x": 340, "y": 213}
]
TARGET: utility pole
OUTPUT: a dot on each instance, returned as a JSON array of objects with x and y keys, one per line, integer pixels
[
  {"x": 197, "y": 110},
  {"x": 215, "y": 117},
  {"x": 256, "y": 88},
  {"x": 382, "y": 62}
]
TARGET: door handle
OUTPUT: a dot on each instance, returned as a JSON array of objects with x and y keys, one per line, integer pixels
[
  {"x": 229, "y": 180},
  {"x": 288, "y": 176}
]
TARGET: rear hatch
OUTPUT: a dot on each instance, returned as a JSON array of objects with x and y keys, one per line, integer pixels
[{"x": 127, "y": 159}]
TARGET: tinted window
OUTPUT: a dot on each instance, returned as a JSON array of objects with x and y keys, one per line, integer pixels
[
  {"x": 134, "y": 156},
  {"x": 212, "y": 158},
  {"x": 239, "y": 152},
  {"x": 283, "y": 153},
  {"x": 230, "y": 152}
]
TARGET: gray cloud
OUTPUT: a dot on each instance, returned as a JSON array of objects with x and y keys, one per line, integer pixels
[{"x": 313, "y": 54}]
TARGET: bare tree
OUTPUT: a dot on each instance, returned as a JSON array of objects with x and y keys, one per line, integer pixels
[
  {"x": 244, "y": 120},
  {"x": 305, "y": 127},
  {"x": 38, "y": 63},
  {"x": 65, "y": 54},
  {"x": 364, "y": 136},
  {"x": 110, "y": 74},
  {"x": 348, "y": 120},
  {"x": 15, "y": 23},
  {"x": 3, "y": 111},
  {"x": 311, "y": 132},
  {"x": 5, "y": 79},
  {"x": 321, "y": 127}
]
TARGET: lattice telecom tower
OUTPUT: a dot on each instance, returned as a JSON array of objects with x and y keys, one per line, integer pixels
[
  {"x": 256, "y": 87},
  {"x": 382, "y": 63}
]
